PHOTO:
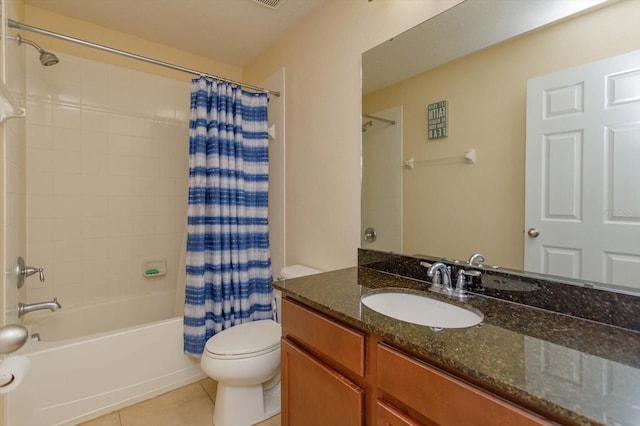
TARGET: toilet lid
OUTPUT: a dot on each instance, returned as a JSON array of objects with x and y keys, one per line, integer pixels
[{"x": 247, "y": 338}]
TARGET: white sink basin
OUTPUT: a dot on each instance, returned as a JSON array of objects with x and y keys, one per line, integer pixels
[{"x": 422, "y": 310}]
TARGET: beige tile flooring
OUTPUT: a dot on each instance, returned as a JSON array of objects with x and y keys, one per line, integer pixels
[{"x": 191, "y": 405}]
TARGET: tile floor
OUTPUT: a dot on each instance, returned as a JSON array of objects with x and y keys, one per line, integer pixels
[{"x": 190, "y": 405}]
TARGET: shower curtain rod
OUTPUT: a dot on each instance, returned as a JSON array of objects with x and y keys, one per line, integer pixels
[
  {"x": 373, "y": 117},
  {"x": 16, "y": 24}
]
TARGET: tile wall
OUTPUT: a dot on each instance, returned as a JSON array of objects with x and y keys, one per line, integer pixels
[{"x": 107, "y": 179}]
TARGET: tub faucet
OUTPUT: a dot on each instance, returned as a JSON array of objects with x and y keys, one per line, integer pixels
[
  {"x": 440, "y": 272},
  {"x": 24, "y": 309}
]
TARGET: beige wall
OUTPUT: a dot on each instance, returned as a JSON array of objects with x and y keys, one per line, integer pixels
[
  {"x": 101, "y": 35},
  {"x": 453, "y": 209},
  {"x": 322, "y": 57}
]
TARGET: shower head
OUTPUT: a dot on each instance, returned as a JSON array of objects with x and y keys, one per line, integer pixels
[{"x": 46, "y": 58}]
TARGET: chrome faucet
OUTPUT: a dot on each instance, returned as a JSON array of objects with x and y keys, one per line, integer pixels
[
  {"x": 24, "y": 309},
  {"x": 441, "y": 277},
  {"x": 476, "y": 257}
]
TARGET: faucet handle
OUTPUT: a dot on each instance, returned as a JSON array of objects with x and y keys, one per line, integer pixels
[
  {"x": 23, "y": 272},
  {"x": 460, "y": 292},
  {"x": 29, "y": 270},
  {"x": 436, "y": 284}
]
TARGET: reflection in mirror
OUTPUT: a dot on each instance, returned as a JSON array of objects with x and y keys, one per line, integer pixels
[{"x": 447, "y": 206}]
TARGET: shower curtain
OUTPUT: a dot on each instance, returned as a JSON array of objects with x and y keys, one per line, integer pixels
[{"x": 228, "y": 262}]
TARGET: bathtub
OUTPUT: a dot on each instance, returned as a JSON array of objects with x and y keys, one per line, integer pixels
[{"x": 96, "y": 359}]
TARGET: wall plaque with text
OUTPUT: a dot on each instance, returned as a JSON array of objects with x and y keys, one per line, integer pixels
[{"x": 437, "y": 120}]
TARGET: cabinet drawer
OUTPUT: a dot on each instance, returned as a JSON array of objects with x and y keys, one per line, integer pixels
[
  {"x": 387, "y": 415},
  {"x": 442, "y": 398},
  {"x": 334, "y": 340}
]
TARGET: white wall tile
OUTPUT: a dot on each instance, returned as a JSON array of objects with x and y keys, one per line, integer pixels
[
  {"x": 67, "y": 183},
  {"x": 95, "y": 142},
  {"x": 142, "y": 226},
  {"x": 94, "y": 120},
  {"x": 119, "y": 145},
  {"x": 120, "y": 165},
  {"x": 119, "y": 124},
  {"x": 69, "y": 117},
  {"x": 107, "y": 168},
  {"x": 39, "y": 112},
  {"x": 66, "y": 251},
  {"x": 39, "y": 136},
  {"x": 67, "y": 139},
  {"x": 40, "y": 230},
  {"x": 65, "y": 229},
  {"x": 94, "y": 94},
  {"x": 66, "y": 162},
  {"x": 95, "y": 248},
  {"x": 142, "y": 127},
  {"x": 40, "y": 183},
  {"x": 94, "y": 227},
  {"x": 39, "y": 206},
  {"x": 119, "y": 186},
  {"x": 66, "y": 206},
  {"x": 142, "y": 205}
]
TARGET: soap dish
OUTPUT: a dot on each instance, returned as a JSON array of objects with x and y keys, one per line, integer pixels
[{"x": 154, "y": 268}]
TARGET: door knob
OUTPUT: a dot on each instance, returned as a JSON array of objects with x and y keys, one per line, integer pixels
[{"x": 533, "y": 232}]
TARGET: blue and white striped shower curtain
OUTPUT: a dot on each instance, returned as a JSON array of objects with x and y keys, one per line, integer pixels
[{"x": 228, "y": 261}]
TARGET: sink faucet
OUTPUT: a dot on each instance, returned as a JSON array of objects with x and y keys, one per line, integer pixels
[
  {"x": 439, "y": 271},
  {"x": 476, "y": 257},
  {"x": 24, "y": 309}
]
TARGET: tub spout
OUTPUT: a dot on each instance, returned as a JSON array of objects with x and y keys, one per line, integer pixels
[{"x": 24, "y": 309}]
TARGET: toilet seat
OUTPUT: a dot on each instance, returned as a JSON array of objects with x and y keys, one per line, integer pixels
[{"x": 245, "y": 340}]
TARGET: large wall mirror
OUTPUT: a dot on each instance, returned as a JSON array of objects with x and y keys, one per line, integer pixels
[{"x": 471, "y": 191}]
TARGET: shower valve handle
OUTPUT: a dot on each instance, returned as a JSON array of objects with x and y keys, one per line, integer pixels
[
  {"x": 28, "y": 271},
  {"x": 23, "y": 272}
]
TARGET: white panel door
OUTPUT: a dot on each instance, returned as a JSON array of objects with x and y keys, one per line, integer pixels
[{"x": 582, "y": 214}]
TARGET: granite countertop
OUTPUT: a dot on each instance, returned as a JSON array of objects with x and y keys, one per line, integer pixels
[{"x": 572, "y": 370}]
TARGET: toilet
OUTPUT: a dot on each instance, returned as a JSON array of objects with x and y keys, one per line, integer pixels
[{"x": 245, "y": 361}]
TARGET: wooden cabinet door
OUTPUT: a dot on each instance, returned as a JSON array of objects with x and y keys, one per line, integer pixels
[{"x": 313, "y": 394}]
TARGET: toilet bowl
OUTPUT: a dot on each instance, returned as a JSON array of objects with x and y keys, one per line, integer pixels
[{"x": 245, "y": 361}]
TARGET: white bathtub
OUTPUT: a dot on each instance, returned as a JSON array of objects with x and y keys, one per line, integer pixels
[{"x": 81, "y": 370}]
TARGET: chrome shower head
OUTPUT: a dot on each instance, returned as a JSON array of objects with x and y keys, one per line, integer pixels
[{"x": 46, "y": 58}]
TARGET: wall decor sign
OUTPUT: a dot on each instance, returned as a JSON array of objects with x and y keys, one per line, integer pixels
[{"x": 437, "y": 120}]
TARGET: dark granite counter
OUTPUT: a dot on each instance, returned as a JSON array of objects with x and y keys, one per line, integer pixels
[{"x": 573, "y": 370}]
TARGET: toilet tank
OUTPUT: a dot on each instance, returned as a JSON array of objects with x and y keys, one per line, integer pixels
[
  {"x": 295, "y": 271},
  {"x": 288, "y": 272}
]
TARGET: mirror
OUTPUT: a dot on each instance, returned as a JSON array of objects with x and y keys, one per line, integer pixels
[{"x": 464, "y": 193}]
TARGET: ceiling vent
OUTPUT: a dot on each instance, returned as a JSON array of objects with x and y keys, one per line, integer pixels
[{"x": 271, "y": 4}]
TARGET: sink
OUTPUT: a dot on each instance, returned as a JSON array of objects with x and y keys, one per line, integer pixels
[{"x": 423, "y": 310}]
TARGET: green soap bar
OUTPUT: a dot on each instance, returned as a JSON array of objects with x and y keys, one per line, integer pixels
[{"x": 151, "y": 272}]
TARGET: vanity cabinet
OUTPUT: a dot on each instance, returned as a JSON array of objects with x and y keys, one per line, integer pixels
[
  {"x": 319, "y": 358},
  {"x": 333, "y": 374}
]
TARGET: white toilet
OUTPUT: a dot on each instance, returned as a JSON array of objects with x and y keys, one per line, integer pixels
[{"x": 245, "y": 361}]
